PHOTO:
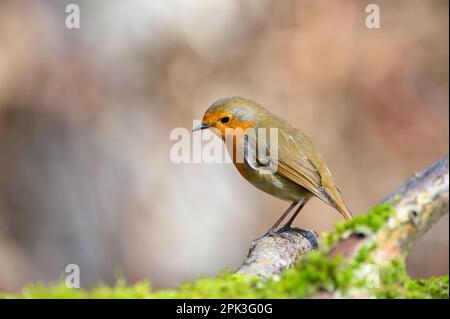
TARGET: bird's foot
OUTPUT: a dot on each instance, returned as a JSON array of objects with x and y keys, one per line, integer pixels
[
  {"x": 285, "y": 228},
  {"x": 270, "y": 233}
]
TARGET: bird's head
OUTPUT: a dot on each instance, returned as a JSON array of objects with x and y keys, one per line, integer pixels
[{"x": 231, "y": 113}]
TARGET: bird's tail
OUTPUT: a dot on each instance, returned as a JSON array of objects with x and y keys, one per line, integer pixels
[
  {"x": 340, "y": 205},
  {"x": 345, "y": 212}
]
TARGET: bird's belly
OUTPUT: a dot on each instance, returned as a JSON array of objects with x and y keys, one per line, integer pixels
[{"x": 273, "y": 184}]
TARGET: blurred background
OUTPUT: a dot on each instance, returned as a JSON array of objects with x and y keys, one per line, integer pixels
[{"x": 86, "y": 115}]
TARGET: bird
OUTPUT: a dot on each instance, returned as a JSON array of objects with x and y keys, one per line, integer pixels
[{"x": 300, "y": 171}]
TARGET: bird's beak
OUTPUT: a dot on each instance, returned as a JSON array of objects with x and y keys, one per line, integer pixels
[{"x": 200, "y": 127}]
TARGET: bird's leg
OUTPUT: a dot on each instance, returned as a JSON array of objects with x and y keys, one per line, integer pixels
[
  {"x": 271, "y": 230},
  {"x": 287, "y": 226}
]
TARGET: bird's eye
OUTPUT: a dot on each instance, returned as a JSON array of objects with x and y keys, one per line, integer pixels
[{"x": 225, "y": 120}]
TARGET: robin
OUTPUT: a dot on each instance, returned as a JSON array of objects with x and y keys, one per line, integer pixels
[{"x": 300, "y": 173}]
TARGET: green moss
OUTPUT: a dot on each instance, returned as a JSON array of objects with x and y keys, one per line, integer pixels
[
  {"x": 397, "y": 284},
  {"x": 314, "y": 273},
  {"x": 119, "y": 291},
  {"x": 226, "y": 285},
  {"x": 365, "y": 223},
  {"x": 435, "y": 287}
]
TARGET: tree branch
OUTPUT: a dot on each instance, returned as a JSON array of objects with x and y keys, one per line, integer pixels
[
  {"x": 423, "y": 200},
  {"x": 269, "y": 255}
]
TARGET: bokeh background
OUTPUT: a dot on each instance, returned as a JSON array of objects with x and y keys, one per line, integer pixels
[{"x": 86, "y": 115}]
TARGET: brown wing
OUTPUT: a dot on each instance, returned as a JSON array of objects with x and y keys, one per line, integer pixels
[{"x": 300, "y": 161}]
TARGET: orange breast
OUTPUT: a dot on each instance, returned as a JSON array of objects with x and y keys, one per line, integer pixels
[{"x": 238, "y": 147}]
